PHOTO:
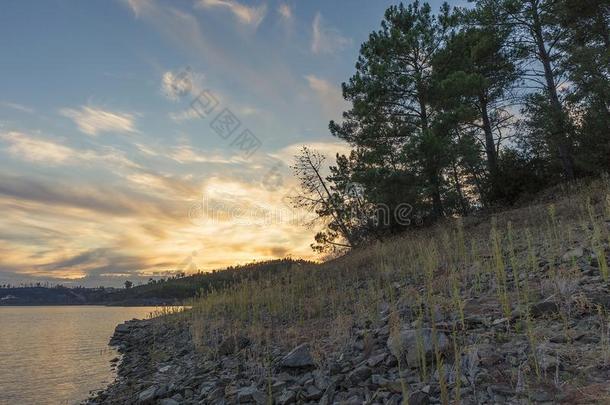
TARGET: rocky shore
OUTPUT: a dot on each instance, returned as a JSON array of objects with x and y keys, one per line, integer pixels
[{"x": 160, "y": 363}]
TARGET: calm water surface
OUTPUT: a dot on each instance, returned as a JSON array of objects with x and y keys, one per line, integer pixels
[{"x": 57, "y": 355}]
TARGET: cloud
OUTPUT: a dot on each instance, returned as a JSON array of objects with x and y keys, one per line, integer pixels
[
  {"x": 181, "y": 83},
  {"x": 18, "y": 107},
  {"x": 247, "y": 15},
  {"x": 326, "y": 39},
  {"x": 36, "y": 150},
  {"x": 187, "y": 154},
  {"x": 329, "y": 95},
  {"x": 285, "y": 12},
  {"x": 328, "y": 149},
  {"x": 93, "y": 121},
  {"x": 269, "y": 77},
  {"x": 78, "y": 196}
]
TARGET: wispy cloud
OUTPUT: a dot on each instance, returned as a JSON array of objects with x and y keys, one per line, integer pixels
[
  {"x": 328, "y": 149},
  {"x": 16, "y": 106},
  {"x": 31, "y": 149},
  {"x": 329, "y": 95},
  {"x": 93, "y": 120},
  {"x": 270, "y": 77},
  {"x": 187, "y": 154},
  {"x": 247, "y": 15},
  {"x": 285, "y": 12},
  {"x": 180, "y": 83},
  {"x": 326, "y": 39},
  {"x": 35, "y": 149}
]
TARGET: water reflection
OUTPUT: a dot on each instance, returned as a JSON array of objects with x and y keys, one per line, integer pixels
[{"x": 57, "y": 355}]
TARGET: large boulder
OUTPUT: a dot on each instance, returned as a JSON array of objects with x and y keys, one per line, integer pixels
[
  {"x": 409, "y": 342},
  {"x": 299, "y": 357}
]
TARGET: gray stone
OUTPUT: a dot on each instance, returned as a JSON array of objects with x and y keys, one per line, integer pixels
[
  {"x": 501, "y": 389},
  {"x": 168, "y": 401},
  {"x": 540, "y": 395},
  {"x": 148, "y": 395},
  {"x": 376, "y": 360},
  {"x": 395, "y": 386},
  {"x": 312, "y": 393},
  {"x": 233, "y": 344},
  {"x": 419, "y": 398},
  {"x": 299, "y": 357},
  {"x": 287, "y": 397},
  {"x": 573, "y": 254},
  {"x": 249, "y": 395},
  {"x": 548, "y": 363},
  {"x": 544, "y": 308},
  {"x": 122, "y": 329},
  {"x": 411, "y": 341},
  {"x": 360, "y": 374}
]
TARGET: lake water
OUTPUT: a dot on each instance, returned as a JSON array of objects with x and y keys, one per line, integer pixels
[{"x": 57, "y": 355}]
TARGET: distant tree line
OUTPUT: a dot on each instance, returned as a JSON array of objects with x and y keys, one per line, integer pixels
[
  {"x": 466, "y": 109},
  {"x": 174, "y": 289}
]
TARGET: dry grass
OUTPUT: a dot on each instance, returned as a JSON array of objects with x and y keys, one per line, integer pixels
[{"x": 438, "y": 269}]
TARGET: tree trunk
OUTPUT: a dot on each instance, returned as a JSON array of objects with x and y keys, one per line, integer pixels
[
  {"x": 490, "y": 144},
  {"x": 458, "y": 189},
  {"x": 561, "y": 134},
  {"x": 437, "y": 202}
]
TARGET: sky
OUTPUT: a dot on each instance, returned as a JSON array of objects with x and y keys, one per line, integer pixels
[{"x": 143, "y": 137}]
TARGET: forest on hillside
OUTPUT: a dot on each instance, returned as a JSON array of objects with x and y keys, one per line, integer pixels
[
  {"x": 461, "y": 110},
  {"x": 172, "y": 290}
]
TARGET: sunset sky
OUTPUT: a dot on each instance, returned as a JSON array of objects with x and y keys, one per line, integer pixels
[{"x": 109, "y": 171}]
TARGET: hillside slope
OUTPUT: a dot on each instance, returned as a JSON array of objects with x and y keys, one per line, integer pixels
[{"x": 509, "y": 309}]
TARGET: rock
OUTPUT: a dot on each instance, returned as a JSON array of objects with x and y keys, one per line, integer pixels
[
  {"x": 321, "y": 381},
  {"x": 299, "y": 357},
  {"x": 148, "y": 395},
  {"x": 544, "y": 308},
  {"x": 573, "y": 254},
  {"x": 548, "y": 363},
  {"x": 500, "y": 389},
  {"x": 312, "y": 393},
  {"x": 249, "y": 395},
  {"x": 122, "y": 328},
  {"x": 419, "y": 398},
  {"x": 161, "y": 391},
  {"x": 409, "y": 340},
  {"x": 394, "y": 386},
  {"x": 358, "y": 375},
  {"x": 540, "y": 395},
  {"x": 376, "y": 360},
  {"x": 233, "y": 344},
  {"x": 168, "y": 401},
  {"x": 600, "y": 298},
  {"x": 188, "y": 393},
  {"x": 287, "y": 397}
]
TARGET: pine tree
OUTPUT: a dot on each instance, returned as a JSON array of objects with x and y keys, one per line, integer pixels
[
  {"x": 391, "y": 122},
  {"x": 476, "y": 74},
  {"x": 537, "y": 33}
]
